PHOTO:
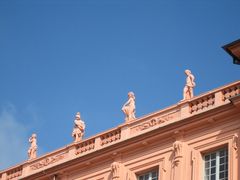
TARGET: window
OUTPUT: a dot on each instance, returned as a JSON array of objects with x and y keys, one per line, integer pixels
[
  {"x": 152, "y": 175},
  {"x": 216, "y": 165}
]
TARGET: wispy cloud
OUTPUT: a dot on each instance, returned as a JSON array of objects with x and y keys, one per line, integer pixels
[{"x": 13, "y": 138}]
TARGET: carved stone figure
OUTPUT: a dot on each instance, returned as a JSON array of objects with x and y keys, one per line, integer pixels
[
  {"x": 115, "y": 168},
  {"x": 121, "y": 172},
  {"x": 177, "y": 148},
  {"x": 190, "y": 84},
  {"x": 32, "y": 151},
  {"x": 129, "y": 108},
  {"x": 79, "y": 128}
]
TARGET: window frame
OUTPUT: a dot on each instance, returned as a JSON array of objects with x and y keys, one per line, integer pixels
[
  {"x": 149, "y": 171},
  {"x": 216, "y": 151},
  {"x": 158, "y": 164}
]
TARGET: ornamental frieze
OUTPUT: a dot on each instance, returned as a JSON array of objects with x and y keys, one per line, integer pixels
[
  {"x": 47, "y": 161},
  {"x": 156, "y": 121}
]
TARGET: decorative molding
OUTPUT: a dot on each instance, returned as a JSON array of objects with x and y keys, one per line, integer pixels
[
  {"x": 47, "y": 161},
  {"x": 235, "y": 141},
  {"x": 156, "y": 121}
]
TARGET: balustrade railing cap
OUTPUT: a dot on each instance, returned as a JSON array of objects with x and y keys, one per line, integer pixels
[{"x": 215, "y": 90}]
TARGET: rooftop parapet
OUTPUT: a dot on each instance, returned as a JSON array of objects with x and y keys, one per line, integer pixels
[{"x": 182, "y": 110}]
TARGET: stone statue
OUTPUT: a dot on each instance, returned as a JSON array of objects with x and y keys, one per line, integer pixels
[
  {"x": 190, "y": 84},
  {"x": 115, "y": 169},
  {"x": 129, "y": 107},
  {"x": 32, "y": 151},
  {"x": 177, "y": 148},
  {"x": 121, "y": 172},
  {"x": 79, "y": 128}
]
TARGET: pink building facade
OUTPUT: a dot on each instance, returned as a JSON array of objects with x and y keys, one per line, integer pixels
[{"x": 196, "y": 139}]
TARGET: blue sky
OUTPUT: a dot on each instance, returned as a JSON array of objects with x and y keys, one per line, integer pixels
[{"x": 58, "y": 57}]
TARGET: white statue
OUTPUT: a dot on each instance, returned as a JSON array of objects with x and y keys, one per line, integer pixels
[
  {"x": 32, "y": 151},
  {"x": 79, "y": 128},
  {"x": 129, "y": 108},
  {"x": 190, "y": 84}
]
